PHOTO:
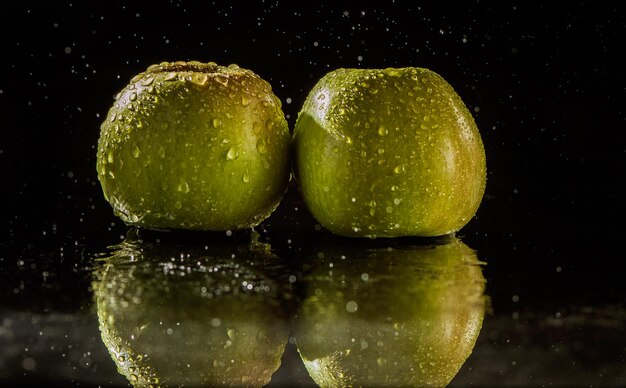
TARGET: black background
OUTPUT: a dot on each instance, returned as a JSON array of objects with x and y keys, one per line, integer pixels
[{"x": 545, "y": 83}]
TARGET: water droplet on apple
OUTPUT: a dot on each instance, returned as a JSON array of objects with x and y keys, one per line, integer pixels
[
  {"x": 261, "y": 146},
  {"x": 233, "y": 153}
]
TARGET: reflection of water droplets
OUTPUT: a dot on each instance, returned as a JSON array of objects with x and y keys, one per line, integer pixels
[
  {"x": 246, "y": 177},
  {"x": 233, "y": 153},
  {"x": 136, "y": 151},
  {"x": 183, "y": 187},
  {"x": 261, "y": 146}
]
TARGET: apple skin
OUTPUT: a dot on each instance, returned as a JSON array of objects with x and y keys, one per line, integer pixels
[
  {"x": 387, "y": 153},
  {"x": 184, "y": 316},
  {"x": 407, "y": 316},
  {"x": 190, "y": 145}
]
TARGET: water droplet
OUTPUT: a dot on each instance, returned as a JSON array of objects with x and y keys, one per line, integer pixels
[
  {"x": 396, "y": 201},
  {"x": 110, "y": 156},
  {"x": 381, "y": 361},
  {"x": 170, "y": 76},
  {"x": 352, "y": 306},
  {"x": 178, "y": 205},
  {"x": 233, "y": 153},
  {"x": 256, "y": 127},
  {"x": 232, "y": 333},
  {"x": 183, "y": 187},
  {"x": 222, "y": 79},
  {"x": 244, "y": 100},
  {"x": 348, "y": 140},
  {"x": 372, "y": 212},
  {"x": 216, "y": 122},
  {"x": 136, "y": 151},
  {"x": 148, "y": 81},
  {"x": 382, "y": 131},
  {"x": 132, "y": 96},
  {"x": 389, "y": 209},
  {"x": 261, "y": 146},
  {"x": 246, "y": 177},
  {"x": 398, "y": 169}
]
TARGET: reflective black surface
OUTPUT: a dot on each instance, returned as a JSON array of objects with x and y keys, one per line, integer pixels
[{"x": 544, "y": 83}]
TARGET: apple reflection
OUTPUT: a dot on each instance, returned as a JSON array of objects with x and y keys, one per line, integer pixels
[
  {"x": 188, "y": 315},
  {"x": 378, "y": 316}
]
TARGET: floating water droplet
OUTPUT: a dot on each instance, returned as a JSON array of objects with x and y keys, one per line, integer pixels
[{"x": 233, "y": 153}]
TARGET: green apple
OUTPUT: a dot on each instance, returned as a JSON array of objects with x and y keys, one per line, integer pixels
[
  {"x": 390, "y": 153},
  {"x": 404, "y": 316},
  {"x": 189, "y": 316},
  {"x": 189, "y": 145}
]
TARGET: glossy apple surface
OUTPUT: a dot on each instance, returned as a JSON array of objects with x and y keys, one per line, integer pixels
[
  {"x": 189, "y": 145},
  {"x": 388, "y": 153},
  {"x": 190, "y": 316},
  {"x": 403, "y": 316}
]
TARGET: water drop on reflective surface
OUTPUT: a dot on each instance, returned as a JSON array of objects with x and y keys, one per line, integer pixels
[
  {"x": 216, "y": 122},
  {"x": 244, "y": 101},
  {"x": 246, "y": 177},
  {"x": 135, "y": 151}
]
